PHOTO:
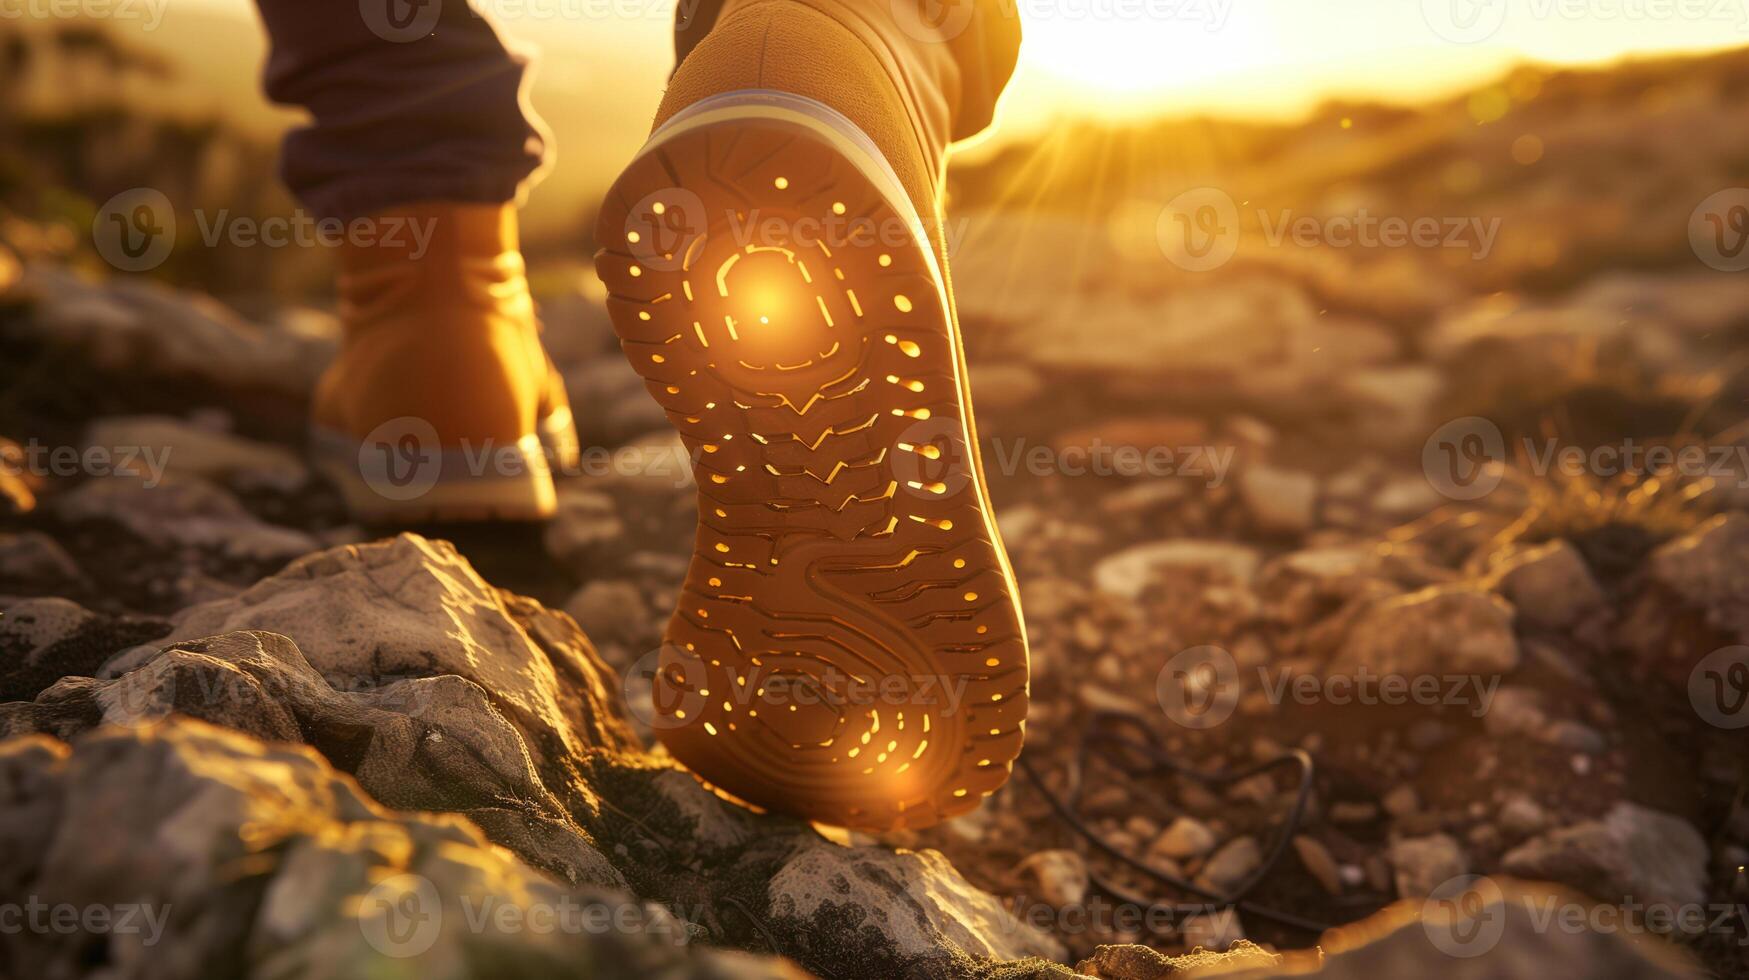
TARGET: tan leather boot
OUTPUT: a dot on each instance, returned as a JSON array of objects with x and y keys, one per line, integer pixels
[
  {"x": 441, "y": 405},
  {"x": 848, "y": 646}
]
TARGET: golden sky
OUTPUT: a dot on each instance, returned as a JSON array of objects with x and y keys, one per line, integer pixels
[
  {"x": 1235, "y": 57},
  {"x": 603, "y": 63}
]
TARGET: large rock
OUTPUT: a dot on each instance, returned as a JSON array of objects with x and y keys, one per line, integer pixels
[
  {"x": 34, "y": 562},
  {"x": 1421, "y": 864},
  {"x": 414, "y": 743},
  {"x": 368, "y": 615},
  {"x": 1706, "y": 572},
  {"x": 216, "y": 854},
  {"x": 183, "y": 513},
  {"x": 1632, "y": 853},
  {"x": 139, "y": 327},
  {"x": 1281, "y": 501},
  {"x": 397, "y": 663},
  {"x": 190, "y": 450},
  {"x": 1439, "y": 631}
]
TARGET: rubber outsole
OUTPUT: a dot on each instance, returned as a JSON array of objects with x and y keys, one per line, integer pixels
[{"x": 848, "y": 645}]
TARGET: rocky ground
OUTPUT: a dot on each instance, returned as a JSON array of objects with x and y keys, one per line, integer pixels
[{"x": 320, "y": 749}]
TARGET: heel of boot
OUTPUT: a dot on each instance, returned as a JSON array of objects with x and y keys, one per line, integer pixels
[{"x": 398, "y": 478}]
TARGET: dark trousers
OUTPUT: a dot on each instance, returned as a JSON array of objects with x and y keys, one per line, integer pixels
[{"x": 421, "y": 100}]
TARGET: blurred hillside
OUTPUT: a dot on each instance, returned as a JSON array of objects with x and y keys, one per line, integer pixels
[{"x": 1594, "y": 167}]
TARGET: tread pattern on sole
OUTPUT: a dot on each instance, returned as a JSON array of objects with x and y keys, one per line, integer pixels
[{"x": 848, "y": 645}]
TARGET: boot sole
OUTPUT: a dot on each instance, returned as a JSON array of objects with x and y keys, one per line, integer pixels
[
  {"x": 512, "y": 484},
  {"x": 849, "y": 645}
]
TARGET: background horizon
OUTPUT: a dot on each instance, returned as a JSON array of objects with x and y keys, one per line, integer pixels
[{"x": 602, "y": 64}]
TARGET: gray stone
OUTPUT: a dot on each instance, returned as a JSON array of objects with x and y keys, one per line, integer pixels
[
  {"x": 915, "y": 899},
  {"x": 1228, "y": 867},
  {"x": 1318, "y": 862},
  {"x": 190, "y": 450},
  {"x": 183, "y": 512},
  {"x": 1515, "y": 710},
  {"x": 409, "y": 607},
  {"x": 1280, "y": 501},
  {"x": 43, "y": 640},
  {"x": 1550, "y": 585},
  {"x": 1708, "y": 570},
  {"x": 144, "y": 328},
  {"x": 1631, "y": 853},
  {"x": 261, "y": 857},
  {"x": 34, "y": 559},
  {"x": 1521, "y": 816},
  {"x": 1057, "y": 877},
  {"x": 1438, "y": 631},
  {"x": 585, "y": 530},
  {"x": 1128, "y": 573},
  {"x": 1422, "y": 864},
  {"x": 1185, "y": 837}
]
